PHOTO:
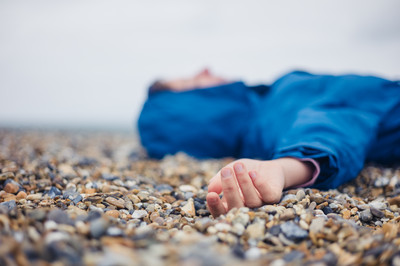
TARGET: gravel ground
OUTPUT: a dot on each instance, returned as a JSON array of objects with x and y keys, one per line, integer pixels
[{"x": 93, "y": 198}]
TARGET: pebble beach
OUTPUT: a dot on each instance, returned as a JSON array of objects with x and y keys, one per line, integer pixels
[{"x": 95, "y": 198}]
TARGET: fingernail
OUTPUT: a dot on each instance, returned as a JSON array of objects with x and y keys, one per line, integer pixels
[
  {"x": 226, "y": 173},
  {"x": 212, "y": 200},
  {"x": 238, "y": 167},
  {"x": 253, "y": 174}
]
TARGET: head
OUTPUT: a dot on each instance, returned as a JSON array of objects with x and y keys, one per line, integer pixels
[{"x": 203, "y": 79}]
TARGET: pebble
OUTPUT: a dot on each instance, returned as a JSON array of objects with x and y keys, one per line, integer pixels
[
  {"x": 253, "y": 253},
  {"x": 293, "y": 232},
  {"x": 116, "y": 202},
  {"x": 8, "y": 206},
  {"x": 189, "y": 209},
  {"x": 256, "y": 230},
  {"x": 112, "y": 213},
  {"x": 317, "y": 225},
  {"x": 54, "y": 192},
  {"x": 139, "y": 214},
  {"x": 377, "y": 213},
  {"x": 187, "y": 188},
  {"x": 300, "y": 194},
  {"x": 82, "y": 199},
  {"x": 21, "y": 195},
  {"x": 11, "y": 187},
  {"x": 288, "y": 214},
  {"x": 366, "y": 215},
  {"x": 98, "y": 228}
]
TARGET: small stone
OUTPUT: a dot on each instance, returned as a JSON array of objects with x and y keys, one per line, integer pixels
[
  {"x": 394, "y": 201},
  {"x": 366, "y": 215},
  {"x": 346, "y": 214},
  {"x": 288, "y": 214},
  {"x": 38, "y": 215},
  {"x": 189, "y": 208},
  {"x": 312, "y": 205},
  {"x": 253, "y": 253},
  {"x": 9, "y": 206},
  {"x": 293, "y": 232},
  {"x": 289, "y": 198},
  {"x": 222, "y": 227},
  {"x": 378, "y": 205},
  {"x": 241, "y": 218},
  {"x": 317, "y": 225},
  {"x": 187, "y": 188},
  {"x": 11, "y": 187},
  {"x": 381, "y": 181},
  {"x": 119, "y": 203},
  {"x": 139, "y": 214},
  {"x": 300, "y": 194},
  {"x": 164, "y": 188},
  {"x": 327, "y": 210},
  {"x": 238, "y": 229},
  {"x": 377, "y": 213},
  {"x": 114, "y": 231},
  {"x": 159, "y": 220},
  {"x": 275, "y": 230},
  {"x": 21, "y": 195},
  {"x": 112, "y": 213},
  {"x": 59, "y": 216},
  {"x": 294, "y": 256},
  {"x": 54, "y": 192},
  {"x": 98, "y": 227},
  {"x": 135, "y": 199},
  {"x": 37, "y": 196},
  {"x": 256, "y": 230}
]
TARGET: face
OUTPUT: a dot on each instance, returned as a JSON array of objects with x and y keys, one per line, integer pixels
[{"x": 204, "y": 79}]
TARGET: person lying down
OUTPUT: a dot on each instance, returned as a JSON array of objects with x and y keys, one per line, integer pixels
[{"x": 303, "y": 130}]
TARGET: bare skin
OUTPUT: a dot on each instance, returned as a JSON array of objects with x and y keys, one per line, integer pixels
[
  {"x": 245, "y": 182},
  {"x": 203, "y": 79},
  {"x": 254, "y": 183}
]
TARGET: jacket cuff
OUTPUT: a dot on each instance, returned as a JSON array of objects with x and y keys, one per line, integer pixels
[{"x": 317, "y": 170}]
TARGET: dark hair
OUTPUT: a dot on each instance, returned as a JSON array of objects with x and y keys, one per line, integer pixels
[{"x": 158, "y": 85}]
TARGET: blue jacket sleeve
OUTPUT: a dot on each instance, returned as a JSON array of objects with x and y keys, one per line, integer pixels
[{"x": 338, "y": 128}]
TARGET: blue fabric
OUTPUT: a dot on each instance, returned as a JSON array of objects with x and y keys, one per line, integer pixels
[{"x": 340, "y": 121}]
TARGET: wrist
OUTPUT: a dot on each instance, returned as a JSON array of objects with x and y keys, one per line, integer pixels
[{"x": 295, "y": 172}]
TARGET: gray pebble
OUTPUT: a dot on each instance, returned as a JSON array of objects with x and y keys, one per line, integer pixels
[
  {"x": 8, "y": 206},
  {"x": 98, "y": 227},
  {"x": 293, "y": 232},
  {"x": 366, "y": 215},
  {"x": 377, "y": 213}
]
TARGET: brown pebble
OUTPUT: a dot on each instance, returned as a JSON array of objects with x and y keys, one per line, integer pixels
[
  {"x": 21, "y": 195},
  {"x": 112, "y": 213},
  {"x": 287, "y": 214},
  {"x": 154, "y": 216},
  {"x": 116, "y": 202},
  {"x": 11, "y": 188},
  {"x": 346, "y": 214},
  {"x": 90, "y": 190},
  {"x": 159, "y": 220},
  {"x": 394, "y": 201}
]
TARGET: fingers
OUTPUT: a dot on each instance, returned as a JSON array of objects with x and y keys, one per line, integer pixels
[
  {"x": 265, "y": 188},
  {"x": 250, "y": 195},
  {"x": 215, "y": 204},
  {"x": 230, "y": 189},
  {"x": 215, "y": 184}
]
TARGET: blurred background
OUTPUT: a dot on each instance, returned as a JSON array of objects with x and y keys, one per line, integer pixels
[{"x": 87, "y": 64}]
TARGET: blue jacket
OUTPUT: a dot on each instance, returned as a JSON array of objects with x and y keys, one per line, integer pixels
[{"x": 340, "y": 121}]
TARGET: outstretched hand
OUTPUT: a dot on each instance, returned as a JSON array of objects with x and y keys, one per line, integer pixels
[{"x": 253, "y": 183}]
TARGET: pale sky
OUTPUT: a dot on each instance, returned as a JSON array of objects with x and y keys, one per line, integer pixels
[{"x": 88, "y": 63}]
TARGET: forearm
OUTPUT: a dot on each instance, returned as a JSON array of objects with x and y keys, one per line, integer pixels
[{"x": 296, "y": 172}]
